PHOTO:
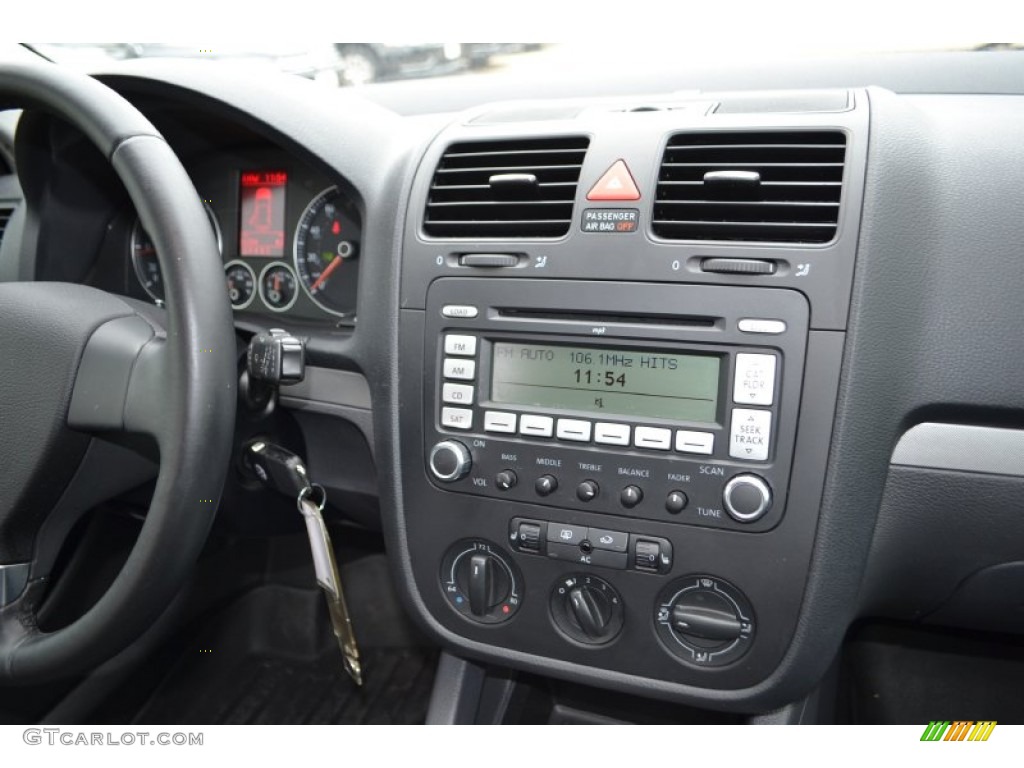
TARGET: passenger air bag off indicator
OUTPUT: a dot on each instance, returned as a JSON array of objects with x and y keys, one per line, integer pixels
[
  {"x": 616, "y": 184},
  {"x": 602, "y": 220}
]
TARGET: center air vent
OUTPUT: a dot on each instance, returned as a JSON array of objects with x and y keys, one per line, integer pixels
[
  {"x": 769, "y": 187},
  {"x": 505, "y": 189}
]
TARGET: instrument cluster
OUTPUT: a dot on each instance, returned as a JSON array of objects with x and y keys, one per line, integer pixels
[{"x": 289, "y": 238}]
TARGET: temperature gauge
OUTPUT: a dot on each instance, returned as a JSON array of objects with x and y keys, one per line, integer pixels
[
  {"x": 241, "y": 283},
  {"x": 278, "y": 287}
]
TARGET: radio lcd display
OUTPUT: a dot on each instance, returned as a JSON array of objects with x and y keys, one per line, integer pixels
[{"x": 613, "y": 382}]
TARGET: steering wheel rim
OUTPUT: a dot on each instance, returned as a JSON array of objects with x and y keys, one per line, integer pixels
[{"x": 179, "y": 386}]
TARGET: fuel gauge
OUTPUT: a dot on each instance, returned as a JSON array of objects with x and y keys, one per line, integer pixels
[
  {"x": 278, "y": 287},
  {"x": 241, "y": 283}
]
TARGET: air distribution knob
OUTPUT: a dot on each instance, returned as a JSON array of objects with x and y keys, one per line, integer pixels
[
  {"x": 450, "y": 461},
  {"x": 587, "y": 609}
]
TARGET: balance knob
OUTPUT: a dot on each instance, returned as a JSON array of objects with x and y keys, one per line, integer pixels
[
  {"x": 450, "y": 461},
  {"x": 747, "y": 498}
]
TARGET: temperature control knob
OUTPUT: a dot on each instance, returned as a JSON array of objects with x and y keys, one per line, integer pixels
[
  {"x": 450, "y": 461},
  {"x": 481, "y": 582},
  {"x": 747, "y": 498},
  {"x": 587, "y": 609},
  {"x": 704, "y": 620}
]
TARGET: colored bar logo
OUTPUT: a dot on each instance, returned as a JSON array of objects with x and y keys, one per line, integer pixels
[{"x": 959, "y": 730}]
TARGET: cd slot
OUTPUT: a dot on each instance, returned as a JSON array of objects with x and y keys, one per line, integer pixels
[{"x": 607, "y": 318}]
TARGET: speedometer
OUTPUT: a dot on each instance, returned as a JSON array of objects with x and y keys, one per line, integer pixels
[{"x": 326, "y": 250}]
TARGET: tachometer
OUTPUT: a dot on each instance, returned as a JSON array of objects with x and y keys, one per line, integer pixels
[
  {"x": 326, "y": 250},
  {"x": 143, "y": 252}
]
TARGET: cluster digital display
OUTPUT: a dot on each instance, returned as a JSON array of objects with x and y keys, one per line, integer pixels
[
  {"x": 261, "y": 229},
  {"x": 620, "y": 382}
]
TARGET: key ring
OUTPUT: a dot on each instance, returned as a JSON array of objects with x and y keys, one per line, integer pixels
[{"x": 307, "y": 492}]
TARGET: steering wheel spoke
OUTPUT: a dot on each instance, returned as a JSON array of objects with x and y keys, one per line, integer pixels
[{"x": 122, "y": 379}]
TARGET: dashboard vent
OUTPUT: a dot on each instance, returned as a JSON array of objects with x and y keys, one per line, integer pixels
[
  {"x": 5, "y": 216},
  {"x": 509, "y": 189},
  {"x": 768, "y": 187}
]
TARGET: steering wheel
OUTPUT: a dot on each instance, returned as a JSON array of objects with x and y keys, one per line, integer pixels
[{"x": 78, "y": 363}]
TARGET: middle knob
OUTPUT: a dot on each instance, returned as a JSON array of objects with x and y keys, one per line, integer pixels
[{"x": 587, "y": 609}]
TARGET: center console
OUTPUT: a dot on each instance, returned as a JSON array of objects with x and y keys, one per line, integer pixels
[{"x": 613, "y": 441}]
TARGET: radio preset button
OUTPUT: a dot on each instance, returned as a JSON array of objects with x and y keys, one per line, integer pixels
[
  {"x": 460, "y": 394},
  {"x": 676, "y": 502},
  {"x": 630, "y": 496},
  {"x": 457, "y": 344},
  {"x": 500, "y": 421},
  {"x": 754, "y": 383},
  {"x": 459, "y": 310},
  {"x": 573, "y": 429},
  {"x": 611, "y": 434},
  {"x": 546, "y": 485},
  {"x": 463, "y": 370},
  {"x": 695, "y": 442},
  {"x": 536, "y": 426},
  {"x": 653, "y": 437},
  {"x": 457, "y": 418},
  {"x": 617, "y": 541},
  {"x": 758, "y": 325},
  {"x": 750, "y": 435},
  {"x": 587, "y": 491},
  {"x": 566, "y": 534}
]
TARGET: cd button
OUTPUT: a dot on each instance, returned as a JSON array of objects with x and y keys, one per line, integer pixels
[{"x": 460, "y": 394}]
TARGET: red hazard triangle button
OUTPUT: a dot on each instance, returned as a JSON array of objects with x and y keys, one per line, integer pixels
[{"x": 616, "y": 184}]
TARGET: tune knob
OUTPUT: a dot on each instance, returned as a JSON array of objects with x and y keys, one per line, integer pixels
[
  {"x": 450, "y": 461},
  {"x": 747, "y": 498}
]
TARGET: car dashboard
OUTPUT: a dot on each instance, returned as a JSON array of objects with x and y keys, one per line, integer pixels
[{"x": 659, "y": 395}]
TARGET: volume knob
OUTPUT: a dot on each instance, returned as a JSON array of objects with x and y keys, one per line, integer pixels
[{"x": 450, "y": 461}]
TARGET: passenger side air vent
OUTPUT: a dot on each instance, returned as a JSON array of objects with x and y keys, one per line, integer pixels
[
  {"x": 507, "y": 189},
  {"x": 769, "y": 187}
]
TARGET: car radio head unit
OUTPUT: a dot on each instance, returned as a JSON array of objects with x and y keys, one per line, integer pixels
[{"x": 637, "y": 416}]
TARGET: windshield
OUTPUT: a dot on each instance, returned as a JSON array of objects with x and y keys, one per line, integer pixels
[{"x": 416, "y": 78}]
